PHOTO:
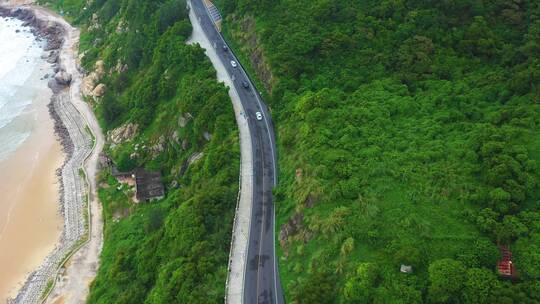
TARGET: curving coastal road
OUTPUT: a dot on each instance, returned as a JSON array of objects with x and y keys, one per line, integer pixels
[{"x": 261, "y": 277}]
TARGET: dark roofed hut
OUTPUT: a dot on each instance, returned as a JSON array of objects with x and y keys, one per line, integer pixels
[
  {"x": 148, "y": 186},
  {"x": 120, "y": 174}
]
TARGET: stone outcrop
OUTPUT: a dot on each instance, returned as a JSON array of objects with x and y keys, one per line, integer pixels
[
  {"x": 121, "y": 27},
  {"x": 100, "y": 68},
  {"x": 90, "y": 81},
  {"x": 290, "y": 228},
  {"x": 94, "y": 23},
  {"x": 183, "y": 120},
  {"x": 99, "y": 91},
  {"x": 159, "y": 146},
  {"x": 123, "y": 133},
  {"x": 120, "y": 67},
  {"x": 88, "y": 85}
]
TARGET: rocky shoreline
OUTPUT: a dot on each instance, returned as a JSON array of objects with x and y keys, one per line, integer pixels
[{"x": 70, "y": 127}]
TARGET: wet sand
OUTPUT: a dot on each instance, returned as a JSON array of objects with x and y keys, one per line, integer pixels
[{"x": 30, "y": 222}]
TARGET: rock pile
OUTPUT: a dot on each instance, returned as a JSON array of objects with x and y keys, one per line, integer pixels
[
  {"x": 90, "y": 82},
  {"x": 52, "y": 32},
  {"x": 63, "y": 78}
]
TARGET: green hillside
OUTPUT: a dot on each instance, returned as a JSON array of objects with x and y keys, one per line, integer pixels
[
  {"x": 174, "y": 250},
  {"x": 408, "y": 134}
]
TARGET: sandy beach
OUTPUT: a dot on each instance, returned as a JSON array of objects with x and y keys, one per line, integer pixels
[
  {"x": 30, "y": 222},
  {"x": 75, "y": 194}
]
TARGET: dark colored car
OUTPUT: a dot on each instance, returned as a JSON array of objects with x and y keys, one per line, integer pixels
[
  {"x": 225, "y": 48},
  {"x": 245, "y": 84}
]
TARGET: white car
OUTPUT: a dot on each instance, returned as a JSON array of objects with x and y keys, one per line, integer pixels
[
  {"x": 234, "y": 64},
  {"x": 259, "y": 115}
]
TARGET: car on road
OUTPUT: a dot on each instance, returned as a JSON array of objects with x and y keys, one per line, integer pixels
[
  {"x": 245, "y": 84},
  {"x": 234, "y": 64},
  {"x": 258, "y": 115},
  {"x": 225, "y": 48}
]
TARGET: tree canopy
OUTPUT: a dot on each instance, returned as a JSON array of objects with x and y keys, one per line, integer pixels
[{"x": 411, "y": 128}]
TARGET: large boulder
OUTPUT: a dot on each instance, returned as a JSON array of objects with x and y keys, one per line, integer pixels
[
  {"x": 90, "y": 81},
  {"x": 88, "y": 84},
  {"x": 100, "y": 68},
  {"x": 53, "y": 57},
  {"x": 99, "y": 90},
  {"x": 63, "y": 78}
]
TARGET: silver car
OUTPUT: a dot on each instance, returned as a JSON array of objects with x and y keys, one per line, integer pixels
[
  {"x": 258, "y": 115},
  {"x": 234, "y": 64}
]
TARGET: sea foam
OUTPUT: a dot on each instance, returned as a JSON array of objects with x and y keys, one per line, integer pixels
[{"x": 19, "y": 61}]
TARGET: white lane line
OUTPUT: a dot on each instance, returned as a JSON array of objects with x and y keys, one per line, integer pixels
[
  {"x": 275, "y": 184},
  {"x": 262, "y": 222},
  {"x": 265, "y": 121}
]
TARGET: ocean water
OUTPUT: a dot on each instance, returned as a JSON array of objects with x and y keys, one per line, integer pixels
[{"x": 21, "y": 70}]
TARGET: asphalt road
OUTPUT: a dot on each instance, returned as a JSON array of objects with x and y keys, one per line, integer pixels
[{"x": 261, "y": 284}]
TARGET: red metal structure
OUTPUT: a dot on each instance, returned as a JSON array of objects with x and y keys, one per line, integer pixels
[{"x": 505, "y": 265}]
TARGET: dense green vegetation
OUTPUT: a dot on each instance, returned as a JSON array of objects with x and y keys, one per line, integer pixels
[
  {"x": 408, "y": 134},
  {"x": 407, "y": 131},
  {"x": 174, "y": 250}
]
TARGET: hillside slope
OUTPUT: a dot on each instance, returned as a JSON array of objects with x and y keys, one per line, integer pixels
[
  {"x": 162, "y": 108},
  {"x": 408, "y": 134}
]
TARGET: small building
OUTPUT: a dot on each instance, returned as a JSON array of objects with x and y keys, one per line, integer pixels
[
  {"x": 505, "y": 267},
  {"x": 406, "y": 269},
  {"x": 120, "y": 174},
  {"x": 127, "y": 177},
  {"x": 148, "y": 186}
]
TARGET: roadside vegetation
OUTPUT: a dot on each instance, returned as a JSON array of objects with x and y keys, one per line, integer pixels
[
  {"x": 174, "y": 250},
  {"x": 408, "y": 134}
]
